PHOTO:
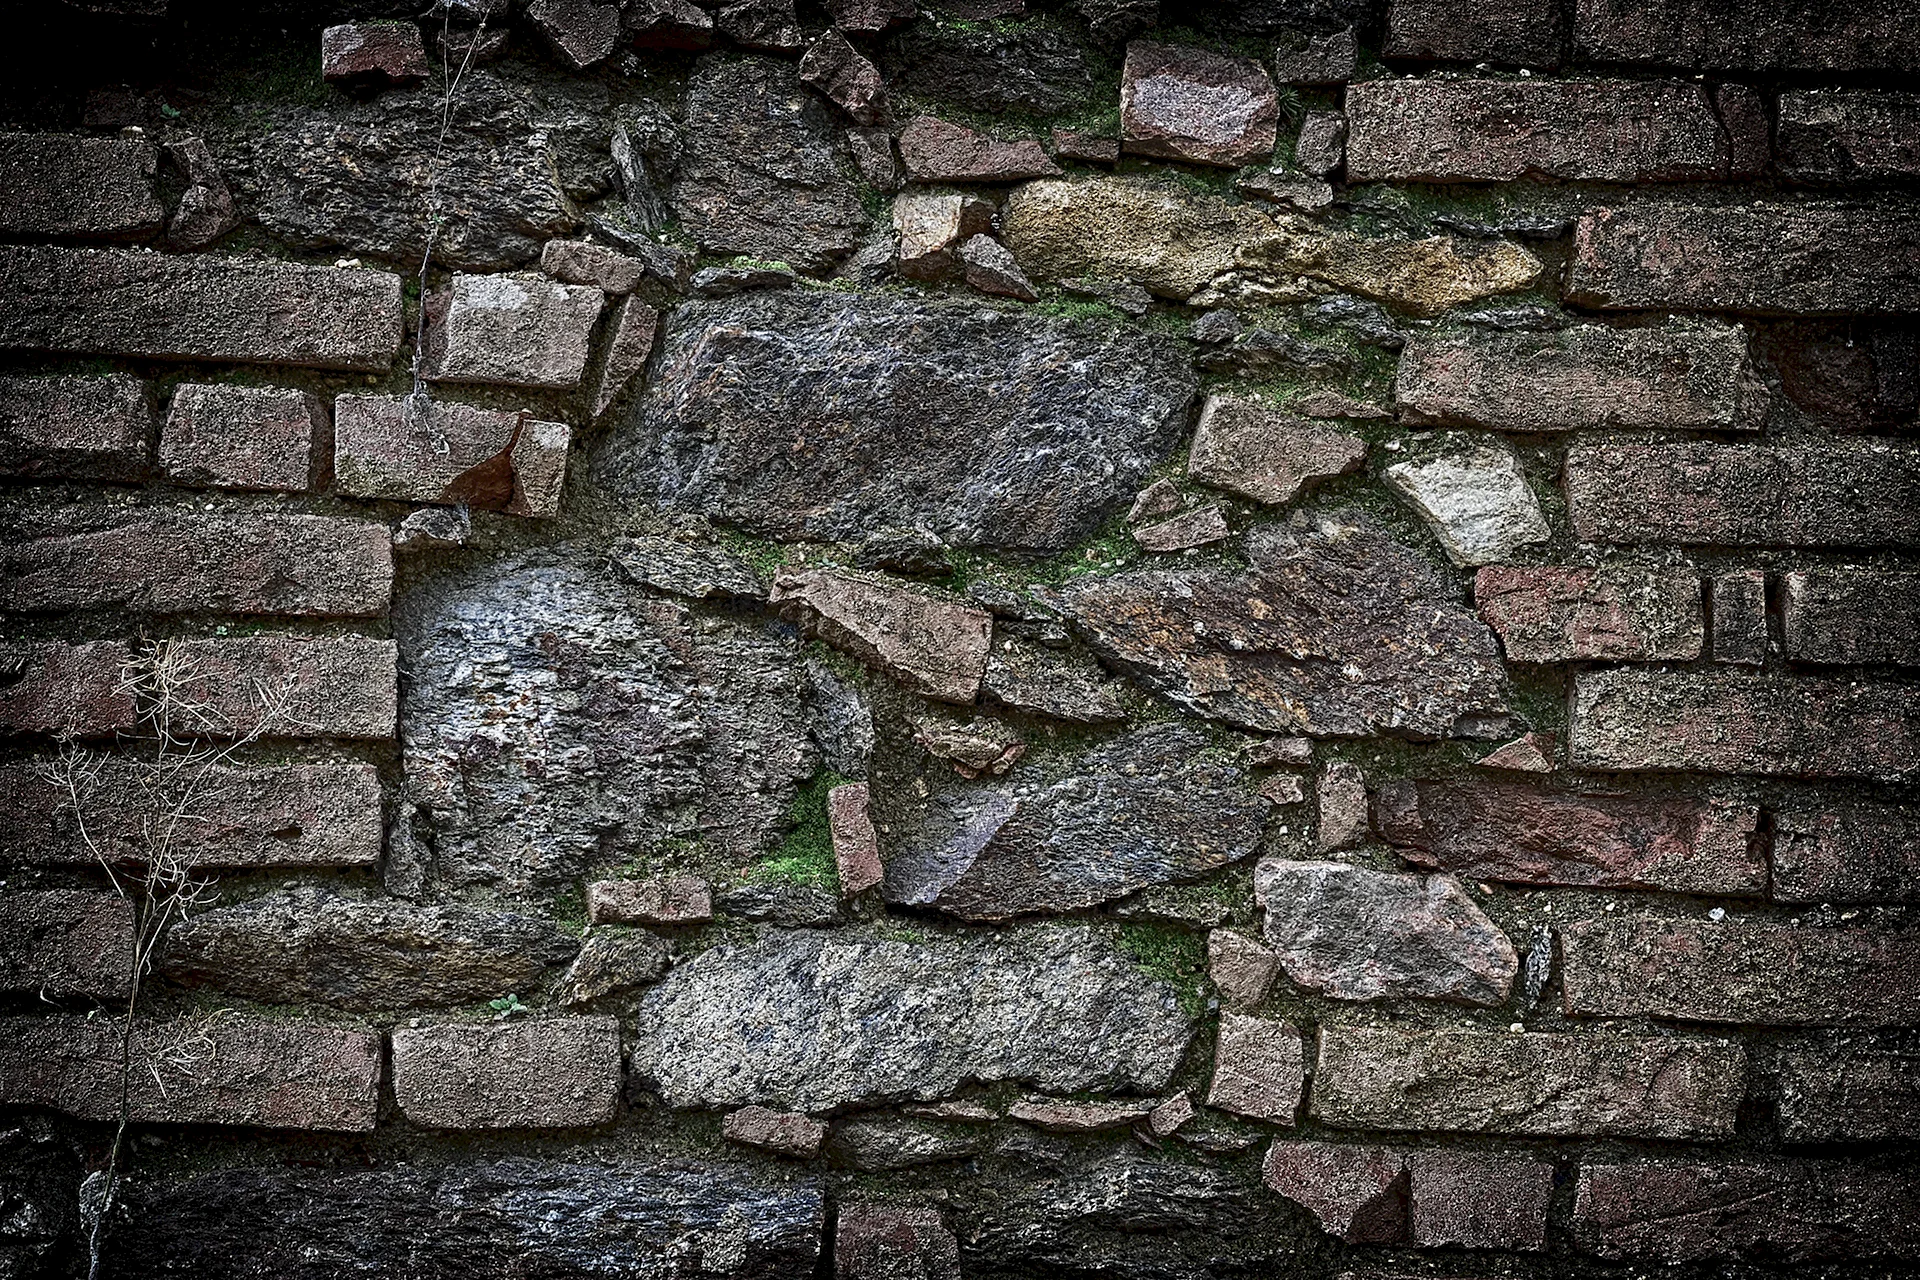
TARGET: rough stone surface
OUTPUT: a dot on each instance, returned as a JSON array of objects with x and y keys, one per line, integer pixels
[
  {"x": 392, "y": 447},
  {"x": 545, "y": 1073},
  {"x": 66, "y": 942},
  {"x": 781, "y": 1132},
  {"x": 1847, "y": 135},
  {"x": 1532, "y": 1083},
  {"x": 1356, "y": 934},
  {"x": 67, "y": 690},
  {"x": 1314, "y": 59},
  {"x": 1756, "y": 35},
  {"x": 991, "y": 67},
  {"x": 1738, "y": 603},
  {"x": 1341, "y": 799},
  {"x": 663, "y": 900},
  {"x": 1846, "y": 853},
  {"x": 584, "y": 262},
  {"x": 1852, "y": 616},
  {"x": 846, "y": 77},
  {"x": 1677, "y": 377},
  {"x": 282, "y": 686},
  {"x": 879, "y": 1143},
  {"x": 1179, "y": 102},
  {"x": 1190, "y": 529},
  {"x": 54, "y": 184},
  {"x": 519, "y": 330},
  {"x": 75, "y": 428},
  {"x": 1258, "y": 1070},
  {"x": 1077, "y": 1117},
  {"x": 1250, "y": 448},
  {"x": 1380, "y": 1195},
  {"x": 1475, "y": 497},
  {"x": 628, "y": 347},
  {"x": 370, "y": 54},
  {"x": 1321, "y": 147},
  {"x": 935, "y": 150},
  {"x": 1830, "y": 1095},
  {"x": 932, "y": 644},
  {"x": 1617, "y": 612},
  {"x": 1241, "y": 970},
  {"x": 245, "y": 438},
  {"x": 1049, "y": 682},
  {"x": 611, "y": 961},
  {"x": 1259, "y": 649},
  {"x": 983, "y": 428},
  {"x": 1527, "y": 33},
  {"x": 884, "y": 1241},
  {"x": 694, "y": 570},
  {"x": 581, "y": 32},
  {"x": 806, "y": 1022},
  {"x": 991, "y": 269},
  {"x": 856, "y": 846}
]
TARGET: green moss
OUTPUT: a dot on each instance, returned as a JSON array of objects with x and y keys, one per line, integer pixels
[
  {"x": 805, "y": 855},
  {"x": 1172, "y": 955}
]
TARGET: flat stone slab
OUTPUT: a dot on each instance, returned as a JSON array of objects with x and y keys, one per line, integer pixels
[
  {"x": 516, "y": 330},
  {"x": 396, "y": 448},
  {"x": 1179, "y": 102},
  {"x": 75, "y": 428},
  {"x": 543, "y": 1073},
  {"x": 58, "y": 184}
]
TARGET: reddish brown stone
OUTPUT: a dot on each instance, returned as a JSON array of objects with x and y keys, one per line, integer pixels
[
  {"x": 68, "y": 690},
  {"x": 75, "y": 428},
  {"x": 1615, "y": 613},
  {"x": 1750, "y": 35},
  {"x": 514, "y": 330},
  {"x": 284, "y": 686},
  {"x": 1846, "y": 853},
  {"x": 1526, "y": 33},
  {"x": 1521, "y": 833},
  {"x": 1531, "y": 1083},
  {"x": 585, "y": 263},
  {"x": 890, "y": 1241},
  {"x": 1841, "y": 135},
  {"x": 373, "y": 53},
  {"x": 449, "y": 453},
  {"x": 1167, "y": 1118},
  {"x": 1740, "y": 972},
  {"x": 1429, "y": 1199},
  {"x": 1257, "y": 1069},
  {"x": 582, "y": 32},
  {"x": 936, "y": 151},
  {"x": 232, "y": 437},
  {"x": 845, "y": 76},
  {"x": 1088, "y": 148},
  {"x": 56, "y": 184},
  {"x": 667, "y": 900},
  {"x": 1250, "y": 448},
  {"x": 1848, "y": 375},
  {"x": 1180, "y": 102},
  {"x": 1241, "y": 970},
  {"x": 1057, "y": 1116},
  {"x": 784, "y": 1133},
  {"x": 1738, "y": 600},
  {"x": 222, "y": 1068},
  {"x": 66, "y": 942},
  {"x": 933, "y": 645},
  {"x": 1194, "y": 528},
  {"x": 627, "y": 349},
  {"x": 1836, "y": 1094},
  {"x": 1360, "y": 1194},
  {"x": 1852, "y": 616},
  {"x": 856, "y": 846},
  {"x": 546, "y": 1073},
  {"x": 1528, "y": 753},
  {"x": 1341, "y": 797}
]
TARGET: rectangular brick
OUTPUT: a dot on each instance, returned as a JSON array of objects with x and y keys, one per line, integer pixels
[
  {"x": 1445, "y": 130},
  {"x": 173, "y": 561},
  {"x": 1740, "y": 631},
  {"x": 1524, "y": 33},
  {"x": 517, "y": 330},
  {"x": 1736, "y": 722},
  {"x": 1852, "y": 616},
  {"x": 1847, "y": 853},
  {"x": 75, "y": 428},
  {"x": 229, "y": 437},
  {"x": 1613, "y": 613},
  {"x": 1843, "y": 135},
  {"x": 1533, "y": 1083},
  {"x": 1835, "y": 495},
  {"x": 60, "y": 184},
  {"x": 1740, "y": 972},
  {"x": 1838, "y": 1094},
  {"x": 1749, "y": 35},
  {"x": 662, "y": 900},
  {"x": 66, "y": 942},
  {"x": 1847, "y": 375},
  {"x": 1812, "y": 259},
  {"x": 1258, "y": 1070},
  {"x": 1778, "y": 1211},
  {"x": 548, "y": 1073},
  {"x": 449, "y": 453},
  {"x": 299, "y": 815},
  {"x": 285, "y": 686},
  {"x": 130, "y": 302},
  {"x": 68, "y": 690},
  {"x": 1427, "y": 1198},
  {"x": 1523, "y": 833},
  {"x": 218, "y": 1069}
]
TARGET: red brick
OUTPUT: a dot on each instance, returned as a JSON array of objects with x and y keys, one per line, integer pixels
[
  {"x": 1778, "y": 1211},
  {"x": 1852, "y": 616},
  {"x": 75, "y": 428},
  {"x": 1526, "y": 33},
  {"x": 1834, "y": 1093},
  {"x": 299, "y": 815},
  {"x": 285, "y": 686},
  {"x": 57, "y": 184},
  {"x": 219, "y": 1069},
  {"x": 1847, "y": 853},
  {"x": 936, "y": 151},
  {"x": 547, "y": 1073},
  {"x": 171, "y": 561},
  {"x": 66, "y": 942},
  {"x": 1750, "y": 35},
  {"x": 1842, "y": 135},
  {"x": 78, "y": 690},
  {"x": 1553, "y": 1084},
  {"x": 880, "y": 1240},
  {"x": 666, "y": 900},
  {"x": 230, "y": 437},
  {"x": 1257, "y": 1069},
  {"x": 1521, "y": 833},
  {"x": 1740, "y": 972},
  {"x": 1444, "y": 130},
  {"x": 782, "y": 1132},
  {"x": 856, "y": 845},
  {"x": 1615, "y": 613},
  {"x": 1428, "y": 1199},
  {"x": 1733, "y": 722},
  {"x": 1739, "y": 603},
  {"x": 450, "y": 453}
]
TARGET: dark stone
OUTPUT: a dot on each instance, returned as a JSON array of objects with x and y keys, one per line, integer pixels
[
  {"x": 724, "y": 282},
  {"x": 1050, "y": 682},
  {"x": 40, "y": 1175},
  {"x": 580, "y": 32},
  {"x": 64, "y": 185},
  {"x": 666, "y": 24},
  {"x": 1847, "y": 135},
  {"x": 1859, "y": 376},
  {"x": 1034, "y": 68},
  {"x": 206, "y": 210},
  {"x": 789, "y": 906},
  {"x": 878, "y": 1143},
  {"x": 1835, "y": 1093},
  {"x": 1852, "y": 616},
  {"x": 1527, "y": 33},
  {"x": 1749, "y": 35},
  {"x": 770, "y": 25},
  {"x": 613, "y": 960},
  {"x": 843, "y": 73},
  {"x": 1846, "y": 853},
  {"x": 75, "y": 428}
]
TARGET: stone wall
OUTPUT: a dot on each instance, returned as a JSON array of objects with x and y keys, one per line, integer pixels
[{"x": 1011, "y": 638}]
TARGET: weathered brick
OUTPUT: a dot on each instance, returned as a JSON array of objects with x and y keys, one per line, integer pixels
[
  {"x": 1740, "y": 972},
  {"x": 1846, "y": 853},
  {"x": 1766, "y": 258},
  {"x": 1531, "y": 1083},
  {"x": 69, "y": 690},
  {"x": 1834, "y": 495},
  {"x": 1527, "y": 33},
  {"x": 1840, "y": 135},
  {"x": 198, "y": 307},
  {"x": 66, "y": 942},
  {"x": 786, "y": 1133},
  {"x": 1614, "y": 613},
  {"x": 1522, "y": 833},
  {"x": 232, "y": 437},
  {"x": 1181, "y": 102},
  {"x": 879, "y": 1240},
  {"x": 1740, "y": 631},
  {"x": 173, "y": 561},
  {"x": 1749, "y": 35},
  {"x": 1429, "y": 1199},
  {"x": 1852, "y": 616},
  {"x": 75, "y": 428},
  {"x": 584, "y": 262},
  {"x": 284, "y": 686},
  {"x": 856, "y": 845},
  {"x": 1442, "y": 130},
  {"x": 1836, "y": 1094},
  {"x": 1589, "y": 376},
  {"x": 449, "y": 453},
  {"x": 1735, "y": 722},
  {"x": 220, "y": 1069},
  {"x": 1778, "y": 1211},
  {"x": 934, "y": 150},
  {"x": 298, "y": 815},
  {"x": 1257, "y": 1069},
  {"x": 628, "y": 344},
  {"x": 548, "y": 1073},
  {"x": 1847, "y": 375},
  {"x": 57, "y": 184},
  {"x": 666, "y": 900},
  {"x": 519, "y": 330}
]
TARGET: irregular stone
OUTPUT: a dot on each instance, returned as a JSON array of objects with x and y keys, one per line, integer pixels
[
  {"x": 935, "y": 150},
  {"x": 856, "y": 846},
  {"x": 666, "y": 24},
  {"x": 1059, "y": 1009},
  {"x": 790, "y": 906},
  {"x": 67, "y": 690},
  {"x": 1526, "y": 33},
  {"x": 1851, "y": 616},
  {"x": 1272, "y": 751},
  {"x": 372, "y": 54},
  {"x": 613, "y": 960},
  {"x": 1313, "y": 58},
  {"x": 625, "y": 354},
  {"x": 1341, "y": 797},
  {"x": 1166, "y": 1119},
  {"x": 1524, "y": 833},
  {"x": 1733, "y": 722},
  {"x": 1257, "y": 1069},
  {"x": 65, "y": 185},
  {"x": 433, "y": 529},
  {"x": 1617, "y": 612},
  {"x": 1674, "y": 377},
  {"x": 1321, "y": 147},
  {"x": 1740, "y": 971},
  {"x": 198, "y": 307},
  {"x": 586, "y": 263},
  {"x": 982, "y": 428},
  {"x": 1766, "y": 257},
  {"x": 769, "y": 25},
  {"x": 1063, "y": 685},
  {"x": 661, "y": 900},
  {"x": 1161, "y": 498},
  {"x": 408, "y": 450},
  {"x": 932, "y": 227},
  {"x": 1191, "y": 529},
  {"x": 870, "y": 15},
  {"x": 1127, "y": 298},
  {"x": 1250, "y": 448},
  {"x": 281, "y": 686},
  {"x": 1180, "y": 102},
  {"x": 1261, "y": 352},
  {"x": 311, "y": 946},
  {"x": 1275, "y": 649},
  {"x": 1426, "y": 1198},
  {"x": 1088, "y": 148},
  {"x": 1846, "y": 135},
  {"x": 231, "y": 437},
  {"x": 1151, "y": 807},
  {"x": 1035, "y": 68},
  {"x": 1360, "y": 1194},
  {"x": 762, "y": 173},
  {"x": 580, "y": 32},
  {"x": 1285, "y": 187},
  {"x": 991, "y": 269},
  {"x": 881, "y": 1143},
  {"x": 780, "y": 1132},
  {"x": 874, "y": 157},
  {"x": 1445, "y": 130},
  {"x": 694, "y": 570},
  {"x": 846, "y": 77},
  {"x": 66, "y": 942},
  {"x": 75, "y": 428},
  {"x": 932, "y": 644},
  {"x": 691, "y": 732},
  {"x": 1284, "y": 788},
  {"x": 1529, "y": 753},
  {"x": 544, "y": 1073},
  {"x": 1846, "y": 35},
  {"x": 539, "y": 1215},
  {"x": 1356, "y": 934},
  {"x": 1828, "y": 1097},
  {"x": 1475, "y": 497},
  {"x": 517, "y": 330},
  {"x": 1056, "y": 1116},
  {"x": 1846, "y": 853},
  {"x": 1532, "y": 1083},
  {"x": 883, "y": 1241}
]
